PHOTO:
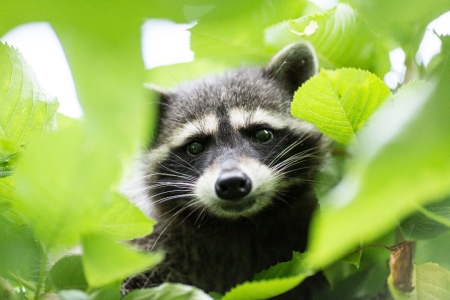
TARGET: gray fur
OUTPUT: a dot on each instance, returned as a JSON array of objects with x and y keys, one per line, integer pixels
[{"x": 211, "y": 251}]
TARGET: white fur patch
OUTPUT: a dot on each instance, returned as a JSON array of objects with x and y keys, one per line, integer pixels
[
  {"x": 240, "y": 118},
  {"x": 208, "y": 125},
  {"x": 263, "y": 185}
]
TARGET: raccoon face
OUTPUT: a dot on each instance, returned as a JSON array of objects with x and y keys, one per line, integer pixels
[{"x": 228, "y": 146}]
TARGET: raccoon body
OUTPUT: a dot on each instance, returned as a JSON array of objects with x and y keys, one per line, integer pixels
[{"x": 229, "y": 177}]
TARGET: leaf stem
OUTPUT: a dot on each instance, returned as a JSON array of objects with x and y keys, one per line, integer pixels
[{"x": 42, "y": 273}]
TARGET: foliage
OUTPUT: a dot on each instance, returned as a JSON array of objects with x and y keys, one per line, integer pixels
[{"x": 59, "y": 180}]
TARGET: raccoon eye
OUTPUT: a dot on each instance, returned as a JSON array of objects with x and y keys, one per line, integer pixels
[
  {"x": 195, "y": 148},
  {"x": 263, "y": 135}
]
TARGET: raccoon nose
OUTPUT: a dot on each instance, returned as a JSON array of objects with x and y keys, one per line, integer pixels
[{"x": 233, "y": 185}]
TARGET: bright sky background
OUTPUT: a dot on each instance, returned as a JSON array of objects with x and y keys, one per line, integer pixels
[{"x": 164, "y": 43}]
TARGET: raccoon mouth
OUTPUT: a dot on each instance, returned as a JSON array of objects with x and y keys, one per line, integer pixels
[{"x": 237, "y": 206}]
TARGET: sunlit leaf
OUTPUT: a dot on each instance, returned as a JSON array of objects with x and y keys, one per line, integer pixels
[
  {"x": 273, "y": 281},
  {"x": 402, "y": 162},
  {"x": 402, "y": 21},
  {"x": 174, "y": 75},
  {"x": 25, "y": 110},
  {"x": 339, "y": 102},
  {"x": 123, "y": 220},
  {"x": 231, "y": 31},
  {"x": 58, "y": 195},
  {"x": 340, "y": 37},
  {"x": 263, "y": 289},
  {"x": 105, "y": 261}
]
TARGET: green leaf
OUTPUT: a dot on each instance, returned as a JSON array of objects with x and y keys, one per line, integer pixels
[
  {"x": 63, "y": 181},
  {"x": 105, "y": 261},
  {"x": 7, "y": 192},
  {"x": 233, "y": 35},
  {"x": 20, "y": 254},
  {"x": 290, "y": 268},
  {"x": 263, "y": 289},
  {"x": 428, "y": 222},
  {"x": 110, "y": 292},
  {"x": 402, "y": 163},
  {"x": 169, "y": 291},
  {"x": 273, "y": 281},
  {"x": 67, "y": 273},
  {"x": 339, "y": 102},
  {"x": 25, "y": 110},
  {"x": 123, "y": 220},
  {"x": 73, "y": 295},
  {"x": 407, "y": 27},
  {"x": 426, "y": 250},
  {"x": 171, "y": 76},
  {"x": 431, "y": 282},
  {"x": 340, "y": 37}
]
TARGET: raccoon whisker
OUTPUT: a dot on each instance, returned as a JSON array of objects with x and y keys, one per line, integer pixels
[
  {"x": 286, "y": 164},
  {"x": 189, "y": 204},
  {"x": 172, "y": 171},
  {"x": 171, "y": 191},
  {"x": 186, "y": 163},
  {"x": 298, "y": 157},
  {"x": 173, "y": 197},
  {"x": 273, "y": 150},
  {"x": 285, "y": 151},
  {"x": 161, "y": 234},
  {"x": 176, "y": 175},
  {"x": 172, "y": 184},
  {"x": 201, "y": 214}
]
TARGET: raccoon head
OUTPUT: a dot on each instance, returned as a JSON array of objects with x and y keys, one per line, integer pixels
[{"x": 228, "y": 147}]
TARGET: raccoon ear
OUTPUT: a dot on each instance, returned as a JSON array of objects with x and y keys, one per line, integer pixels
[
  {"x": 293, "y": 65},
  {"x": 163, "y": 94}
]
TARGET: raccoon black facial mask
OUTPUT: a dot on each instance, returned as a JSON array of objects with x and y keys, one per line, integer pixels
[{"x": 229, "y": 177}]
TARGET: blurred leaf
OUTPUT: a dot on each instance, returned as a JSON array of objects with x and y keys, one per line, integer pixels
[
  {"x": 403, "y": 21},
  {"x": 232, "y": 31},
  {"x": 402, "y": 163},
  {"x": 105, "y": 261},
  {"x": 110, "y": 292},
  {"x": 339, "y": 102},
  {"x": 431, "y": 282},
  {"x": 340, "y": 37},
  {"x": 6, "y": 189},
  {"x": 73, "y": 295},
  {"x": 20, "y": 254},
  {"x": 174, "y": 75},
  {"x": 24, "y": 108},
  {"x": 123, "y": 220},
  {"x": 435, "y": 250},
  {"x": 7, "y": 291},
  {"x": 428, "y": 222},
  {"x": 169, "y": 291},
  {"x": 63, "y": 180},
  {"x": 67, "y": 273}
]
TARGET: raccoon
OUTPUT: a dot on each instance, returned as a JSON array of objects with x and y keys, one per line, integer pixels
[{"x": 230, "y": 177}]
